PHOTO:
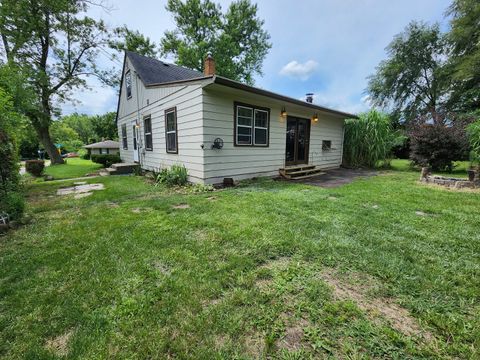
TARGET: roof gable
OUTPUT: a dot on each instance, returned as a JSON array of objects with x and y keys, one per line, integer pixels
[{"x": 153, "y": 72}]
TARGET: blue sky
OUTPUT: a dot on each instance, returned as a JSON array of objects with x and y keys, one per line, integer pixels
[{"x": 327, "y": 47}]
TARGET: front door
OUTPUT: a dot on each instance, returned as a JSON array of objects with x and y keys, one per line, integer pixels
[
  {"x": 298, "y": 138},
  {"x": 135, "y": 141}
]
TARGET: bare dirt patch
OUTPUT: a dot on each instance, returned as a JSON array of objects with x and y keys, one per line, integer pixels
[
  {"x": 294, "y": 333},
  {"x": 276, "y": 264},
  {"x": 181, "y": 206},
  {"x": 59, "y": 344},
  {"x": 254, "y": 345},
  {"x": 212, "y": 198},
  {"x": 399, "y": 318}
]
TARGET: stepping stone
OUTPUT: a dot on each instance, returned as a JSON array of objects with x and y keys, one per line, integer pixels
[{"x": 80, "y": 183}]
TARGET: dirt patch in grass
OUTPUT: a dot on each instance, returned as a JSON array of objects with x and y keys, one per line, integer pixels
[
  {"x": 294, "y": 333},
  {"x": 254, "y": 345},
  {"x": 59, "y": 344},
  {"x": 181, "y": 206},
  {"x": 399, "y": 318},
  {"x": 276, "y": 264}
]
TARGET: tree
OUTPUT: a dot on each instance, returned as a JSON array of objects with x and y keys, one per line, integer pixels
[
  {"x": 236, "y": 39},
  {"x": 464, "y": 38},
  {"x": 104, "y": 126},
  {"x": 412, "y": 81},
  {"x": 54, "y": 46},
  {"x": 132, "y": 40},
  {"x": 82, "y": 125}
]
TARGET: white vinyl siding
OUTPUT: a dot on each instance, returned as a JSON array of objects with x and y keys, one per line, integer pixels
[{"x": 243, "y": 162}]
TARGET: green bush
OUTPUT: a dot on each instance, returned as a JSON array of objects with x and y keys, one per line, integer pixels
[
  {"x": 368, "y": 139},
  {"x": 13, "y": 204},
  {"x": 175, "y": 175},
  {"x": 473, "y": 131},
  {"x": 105, "y": 160},
  {"x": 11, "y": 197},
  {"x": 84, "y": 154},
  {"x": 35, "y": 167}
]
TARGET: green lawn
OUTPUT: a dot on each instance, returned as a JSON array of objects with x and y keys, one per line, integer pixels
[
  {"x": 459, "y": 170},
  {"x": 380, "y": 268},
  {"x": 75, "y": 167}
]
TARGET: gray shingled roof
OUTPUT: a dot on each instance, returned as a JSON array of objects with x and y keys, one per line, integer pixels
[
  {"x": 153, "y": 71},
  {"x": 107, "y": 144}
]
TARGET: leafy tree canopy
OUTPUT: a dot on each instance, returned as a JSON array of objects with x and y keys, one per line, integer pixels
[
  {"x": 54, "y": 46},
  {"x": 235, "y": 38},
  {"x": 411, "y": 81},
  {"x": 464, "y": 38},
  {"x": 132, "y": 40}
]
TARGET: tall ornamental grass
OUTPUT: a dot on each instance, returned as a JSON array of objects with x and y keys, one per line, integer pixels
[{"x": 368, "y": 139}]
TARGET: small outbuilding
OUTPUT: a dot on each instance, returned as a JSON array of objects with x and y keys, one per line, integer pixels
[{"x": 106, "y": 147}]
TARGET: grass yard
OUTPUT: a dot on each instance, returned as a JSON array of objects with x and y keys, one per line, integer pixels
[
  {"x": 75, "y": 167},
  {"x": 459, "y": 170},
  {"x": 380, "y": 268}
]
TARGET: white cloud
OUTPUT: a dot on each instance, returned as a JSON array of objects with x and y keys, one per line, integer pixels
[
  {"x": 300, "y": 71},
  {"x": 97, "y": 100}
]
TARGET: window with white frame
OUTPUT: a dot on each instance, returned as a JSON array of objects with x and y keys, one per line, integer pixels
[
  {"x": 251, "y": 125},
  {"x": 171, "y": 138}
]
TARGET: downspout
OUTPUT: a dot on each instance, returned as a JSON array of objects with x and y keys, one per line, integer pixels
[{"x": 139, "y": 138}]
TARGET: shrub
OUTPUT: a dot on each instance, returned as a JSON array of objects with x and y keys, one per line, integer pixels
[
  {"x": 176, "y": 175},
  {"x": 473, "y": 131},
  {"x": 11, "y": 199},
  {"x": 13, "y": 204},
  {"x": 105, "y": 160},
  {"x": 437, "y": 146},
  {"x": 84, "y": 154},
  {"x": 368, "y": 139},
  {"x": 35, "y": 167}
]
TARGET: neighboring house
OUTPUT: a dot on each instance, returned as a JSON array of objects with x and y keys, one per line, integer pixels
[
  {"x": 169, "y": 114},
  {"x": 107, "y": 147}
]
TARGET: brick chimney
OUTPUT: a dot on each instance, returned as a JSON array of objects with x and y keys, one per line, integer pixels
[{"x": 209, "y": 66}]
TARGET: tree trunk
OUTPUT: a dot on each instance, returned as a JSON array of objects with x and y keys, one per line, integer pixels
[{"x": 45, "y": 139}]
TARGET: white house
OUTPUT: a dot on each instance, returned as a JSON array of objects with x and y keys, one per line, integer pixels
[{"x": 219, "y": 128}]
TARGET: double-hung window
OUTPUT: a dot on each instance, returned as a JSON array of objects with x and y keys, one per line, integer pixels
[
  {"x": 251, "y": 125},
  {"x": 124, "y": 137},
  {"x": 147, "y": 125},
  {"x": 171, "y": 138}
]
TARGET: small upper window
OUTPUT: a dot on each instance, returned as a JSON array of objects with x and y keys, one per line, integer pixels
[
  {"x": 128, "y": 84},
  {"x": 171, "y": 130},
  {"x": 147, "y": 122},
  {"x": 124, "y": 137},
  {"x": 251, "y": 125},
  {"x": 326, "y": 145}
]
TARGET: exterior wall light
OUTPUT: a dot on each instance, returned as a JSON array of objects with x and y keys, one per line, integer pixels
[
  {"x": 315, "y": 117},
  {"x": 283, "y": 113}
]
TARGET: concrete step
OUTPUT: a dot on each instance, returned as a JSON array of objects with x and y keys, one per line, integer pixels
[{"x": 124, "y": 168}]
